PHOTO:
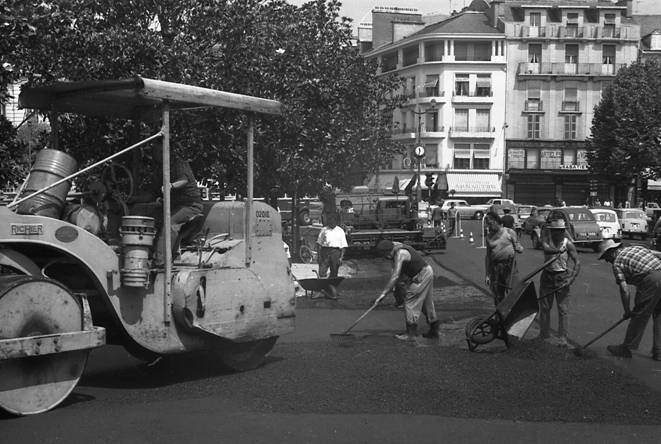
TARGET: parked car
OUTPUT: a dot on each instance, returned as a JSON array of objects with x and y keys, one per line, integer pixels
[
  {"x": 633, "y": 222},
  {"x": 652, "y": 208},
  {"x": 608, "y": 222},
  {"x": 465, "y": 210},
  {"x": 582, "y": 226},
  {"x": 500, "y": 202}
]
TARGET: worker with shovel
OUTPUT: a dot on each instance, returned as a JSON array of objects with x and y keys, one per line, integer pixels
[
  {"x": 555, "y": 280},
  {"x": 640, "y": 267},
  {"x": 409, "y": 266},
  {"x": 499, "y": 262}
]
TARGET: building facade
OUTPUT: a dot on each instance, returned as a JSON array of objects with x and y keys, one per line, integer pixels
[
  {"x": 561, "y": 56},
  {"x": 454, "y": 106}
]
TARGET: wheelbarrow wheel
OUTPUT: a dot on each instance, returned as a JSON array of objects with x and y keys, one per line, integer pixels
[
  {"x": 31, "y": 307},
  {"x": 243, "y": 356},
  {"x": 480, "y": 331}
]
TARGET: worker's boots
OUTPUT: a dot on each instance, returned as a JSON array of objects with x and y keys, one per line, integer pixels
[
  {"x": 410, "y": 333},
  {"x": 433, "y": 330}
]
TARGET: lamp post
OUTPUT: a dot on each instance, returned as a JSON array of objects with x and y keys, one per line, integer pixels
[{"x": 419, "y": 149}]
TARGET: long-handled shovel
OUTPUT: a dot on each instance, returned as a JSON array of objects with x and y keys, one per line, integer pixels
[
  {"x": 346, "y": 338},
  {"x": 582, "y": 351}
]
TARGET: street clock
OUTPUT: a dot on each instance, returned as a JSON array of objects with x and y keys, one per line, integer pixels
[{"x": 420, "y": 151}]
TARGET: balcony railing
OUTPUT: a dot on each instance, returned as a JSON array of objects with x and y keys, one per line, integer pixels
[
  {"x": 432, "y": 92},
  {"x": 534, "y": 106},
  {"x": 572, "y": 69},
  {"x": 472, "y": 131},
  {"x": 570, "y": 106},
  {"x": 582, "y": 32},
  {"x": 486, "y": 93}
]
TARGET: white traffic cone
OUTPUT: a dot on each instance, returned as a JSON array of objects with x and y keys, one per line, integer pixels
[
  {"x": 470, "y": 238},
  {"x": 461, "y": 234}
]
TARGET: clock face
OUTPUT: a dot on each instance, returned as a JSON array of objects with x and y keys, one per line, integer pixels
[{"x": 419, "y": 151}]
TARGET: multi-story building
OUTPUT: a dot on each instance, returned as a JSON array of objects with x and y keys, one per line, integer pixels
[
  {"x": 561, "y": 54},
  {"x": 454, "y": 98}
]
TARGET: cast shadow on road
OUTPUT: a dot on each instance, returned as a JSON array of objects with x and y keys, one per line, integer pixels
[{"x": 167, "y": 371}]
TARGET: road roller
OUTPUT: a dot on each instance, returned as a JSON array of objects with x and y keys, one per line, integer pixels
[{"x": 75, "y": 275}]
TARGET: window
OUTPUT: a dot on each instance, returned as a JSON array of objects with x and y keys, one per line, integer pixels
[
  {"x": 609, "y": 25},
  {"x": 535, "y": 19},
  {"x": 534, "y": 126},
  {"x": 570, "y": 127},
  {"x": 461, "y": 119},
  {"x": 481, "y": 156},
  {"x": 461, "y": 85},
  {"x": 569, "y": 157},
  {"x": 582, "y": 158},
  {"x": 534, "y": 102},
  {"x": 431, "y": 86},
  {"x": 516, "y": 158},
  {"x": 431, "y": 120},
  {"x": 571, "y": 53},
  {"x": 572, "y": 24},
  {"x": 431, "y": 155},
  {"x": 412, "y": 86},
  {"x": 483, "y": 85},
  {"x": 482, "y": 120},
  {"x": 462, "y": 156},
  {"x": 608, "y": 54},
  {"x": 434, "y": 51},
  {"x": 550, "y": 158},
  {"x": 571, "y": 97},
  {"x": 535, "y": 53}
]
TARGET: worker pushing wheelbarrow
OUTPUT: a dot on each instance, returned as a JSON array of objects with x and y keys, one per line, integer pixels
[{"x": 519, "y": 305}]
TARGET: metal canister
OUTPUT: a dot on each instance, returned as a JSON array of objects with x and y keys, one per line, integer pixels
[
  {"x": 137, "y": 234},
  {"x": 49, "y": 167}
]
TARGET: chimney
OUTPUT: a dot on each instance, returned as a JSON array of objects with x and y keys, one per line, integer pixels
[{"x": 496, "y": 10}]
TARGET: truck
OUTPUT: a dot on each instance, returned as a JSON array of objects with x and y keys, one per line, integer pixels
[
  {"x": 368, "y": 218},
  {"x": 69, "y": 285}
]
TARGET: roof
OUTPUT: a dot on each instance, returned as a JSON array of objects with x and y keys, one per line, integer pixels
[
  {"x": 469, "y": 22},
  {"x": 137, "y": 98},
  {"x": 648, "y": 23}
]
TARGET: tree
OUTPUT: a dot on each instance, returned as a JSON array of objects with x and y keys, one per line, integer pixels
[
  {"x": 626, "y": 129},
  {"x": 336, "y": 110}
]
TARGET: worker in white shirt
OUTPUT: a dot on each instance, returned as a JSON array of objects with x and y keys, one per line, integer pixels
[{"x": 332, "y": 243}]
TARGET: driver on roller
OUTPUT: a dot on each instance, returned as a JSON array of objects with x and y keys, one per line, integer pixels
[{"x": 185, "y": 200}]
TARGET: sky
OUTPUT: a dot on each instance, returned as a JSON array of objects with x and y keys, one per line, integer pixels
[{"x": 357, "y": 9}]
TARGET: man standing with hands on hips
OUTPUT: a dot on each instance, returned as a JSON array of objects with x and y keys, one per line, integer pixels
[
  {"x": 410, "y": 267},
  {"x": 332, "y": 243},
  {"x": 641, "y": 267}
]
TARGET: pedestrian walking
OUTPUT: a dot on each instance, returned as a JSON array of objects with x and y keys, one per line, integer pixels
[
  {"x": 556, "y": 279},
  {"x": 507, "y": 219},
  {"x": 640, "y": 267},
  {"x": 332, "y": 243},
  {"x": 437, "y": 216},
  {"x": 452, "y": 217},
  {"x": 411, "y": 270},
  {"x": 499, "y": 263}
]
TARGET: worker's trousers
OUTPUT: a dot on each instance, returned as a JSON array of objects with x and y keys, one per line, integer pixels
[
  {"x": 647, "y": 303},
  {"x": 419, "y": 297}
]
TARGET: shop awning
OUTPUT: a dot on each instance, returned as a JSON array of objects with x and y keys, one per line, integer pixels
[
  {"x": 442, "y": 182},
  {"x": 474, "y": 185},
  {"x": 653, "y": 185}
]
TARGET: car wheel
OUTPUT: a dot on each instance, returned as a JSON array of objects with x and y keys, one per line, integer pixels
[
  {"x": 304, "y": 218},
  {"x": 478, "y": 215}
]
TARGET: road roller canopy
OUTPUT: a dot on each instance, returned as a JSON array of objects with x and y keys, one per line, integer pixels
[{"x": 137, "y": 98}]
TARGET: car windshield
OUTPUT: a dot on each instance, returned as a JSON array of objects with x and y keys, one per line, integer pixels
[
  {"x": 580, "y": 215},
  {"x": 634, "y": 215},
  {"x": 605, "y": 217},
  {"x": 524, "y": 211}
]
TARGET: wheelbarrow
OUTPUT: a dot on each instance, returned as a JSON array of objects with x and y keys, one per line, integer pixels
[
  {"x": 513, "y": 315},
  {"x": 320, "y": 285}
]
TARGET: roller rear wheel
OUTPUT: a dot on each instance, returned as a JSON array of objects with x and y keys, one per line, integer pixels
[
  {"x": 243, "y": 356},
  {"x": 32, "y": 307}
]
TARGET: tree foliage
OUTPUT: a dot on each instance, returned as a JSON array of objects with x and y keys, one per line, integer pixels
[
  {"x": 626, "y": 129},
  {"x": 334, "y": 121}
]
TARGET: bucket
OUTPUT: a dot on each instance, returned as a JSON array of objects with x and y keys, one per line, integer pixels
[
  {"x": 49, "y": 167},
  {"x": 86, "y": 217},
  {"x": 138, "y": 234}
]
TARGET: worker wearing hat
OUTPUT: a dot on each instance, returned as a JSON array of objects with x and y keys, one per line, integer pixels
[
  {"x": 410, "y": 267},
  {"x": 641, "y": 267},
  {"x": 555, "y": 280}
]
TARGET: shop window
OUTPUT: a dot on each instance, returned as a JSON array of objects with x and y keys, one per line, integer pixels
[
  {"x": 532, "y": 159},
  {"x": 516, "y": 158},
  {"x": 550, "y": 159},
  {"x": 569, "y": 157}
]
